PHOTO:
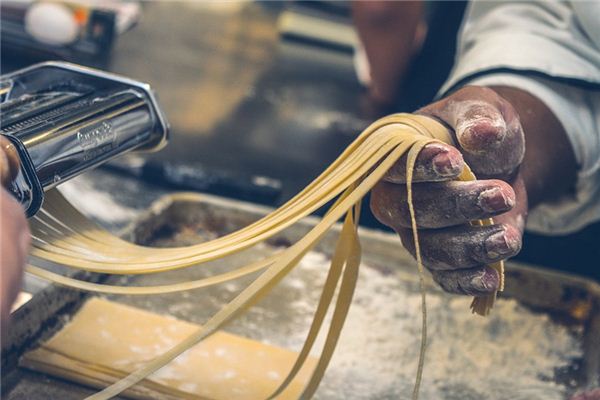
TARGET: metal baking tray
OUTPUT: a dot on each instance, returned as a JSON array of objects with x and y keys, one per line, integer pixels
[{"x": 542, "y": 340}]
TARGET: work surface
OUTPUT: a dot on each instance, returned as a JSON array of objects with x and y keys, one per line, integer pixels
[{"x": 539, "y": 343}]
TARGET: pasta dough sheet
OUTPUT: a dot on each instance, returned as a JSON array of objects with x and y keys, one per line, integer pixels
[{"x": 105, "y": 341}]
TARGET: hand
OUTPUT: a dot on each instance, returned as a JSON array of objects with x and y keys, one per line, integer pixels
[
  {"x": 14, "y": 235},
  {"x": 13, "y": 247},
  {"x": 489, "y": 137}
]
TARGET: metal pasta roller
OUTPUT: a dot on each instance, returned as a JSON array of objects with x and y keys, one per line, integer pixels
[{"x": 64, "y": 119}]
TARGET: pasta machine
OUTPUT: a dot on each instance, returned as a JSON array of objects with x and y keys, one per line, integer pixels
[{"x": 64, "y": 119}]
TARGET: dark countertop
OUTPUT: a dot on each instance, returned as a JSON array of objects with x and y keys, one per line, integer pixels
[{"x": 237, "y": 97}]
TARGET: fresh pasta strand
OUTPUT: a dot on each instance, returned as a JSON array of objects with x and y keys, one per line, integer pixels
[
  {"x": 410, "y": 166},
  {"x": 63, "y": 235}
]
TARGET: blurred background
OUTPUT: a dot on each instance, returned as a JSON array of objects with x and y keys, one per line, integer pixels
[
  {"x": 261, "y": 96},
  {"x": 260, "y": 89}
]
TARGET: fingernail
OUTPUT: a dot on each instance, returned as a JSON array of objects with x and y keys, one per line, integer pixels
[
  {"x": 478, "y": 135},
  {"x": 493, "y": 200},
  {"x": 496, "y": 245},
  {"x": 488, "y": 131},
  {"x": 487, "y": 282},
  {"x": 446, "y": 165}
]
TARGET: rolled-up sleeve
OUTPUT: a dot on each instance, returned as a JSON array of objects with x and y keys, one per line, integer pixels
[
  {"x": 535, "y": 38},
  {"x": 543, "y": 48}
]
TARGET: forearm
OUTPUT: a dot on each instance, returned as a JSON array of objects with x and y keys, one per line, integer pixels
[
  {"x": 549, "y": 166},
  {"x": 387, "y": 30}
]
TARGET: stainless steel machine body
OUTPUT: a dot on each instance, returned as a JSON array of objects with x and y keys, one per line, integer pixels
[{"x": 65, "y": 119}]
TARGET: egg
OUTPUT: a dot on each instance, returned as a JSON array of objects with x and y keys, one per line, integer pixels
[{"x": 51, "y": 23}]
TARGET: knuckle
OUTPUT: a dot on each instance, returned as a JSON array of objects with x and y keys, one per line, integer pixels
[
  {"x": 389, "y": 205},
  {"x": 380, "y": 204},
  {"x": 397, "y": 173},
  {"x": 447, "y": 250}
]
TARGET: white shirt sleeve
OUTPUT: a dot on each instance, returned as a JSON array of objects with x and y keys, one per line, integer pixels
[
  {"x": 578, "y": 110},
  {"x": 546, "y": 49},
  {"x": 548, "y": 38}
]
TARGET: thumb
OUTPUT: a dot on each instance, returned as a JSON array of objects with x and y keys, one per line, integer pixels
[{"x": 487, "y": 129}]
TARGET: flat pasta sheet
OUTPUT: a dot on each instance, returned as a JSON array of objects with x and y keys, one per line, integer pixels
[{"x": 105, "y": 341}]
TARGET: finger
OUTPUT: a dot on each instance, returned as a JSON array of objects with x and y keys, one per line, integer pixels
[
  {"x": 4, "y": 169},
  {"x": 440, "y": 205},
  {"x": 15, "y": 228},
  {"x": 13, "y": 247},
  {"x": 436, "y": 162},
  {"x": 9, "y": 161},
  {"x": 478, "y": 281},
  {"x": 464, "y": 246},
  {"x": 479, "y": 126},
  {"x": 493, "y": 141},
  {"x": 487, "y": 129}
]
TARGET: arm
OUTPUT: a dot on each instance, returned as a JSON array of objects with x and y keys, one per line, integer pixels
[
  {"x": 491, "y": 138},
  {"x": 390, "y": 32},
  {"x": 549, "y": 168}
]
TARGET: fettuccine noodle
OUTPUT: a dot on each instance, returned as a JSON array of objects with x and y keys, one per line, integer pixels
[{"x": 63, "y": 235}]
